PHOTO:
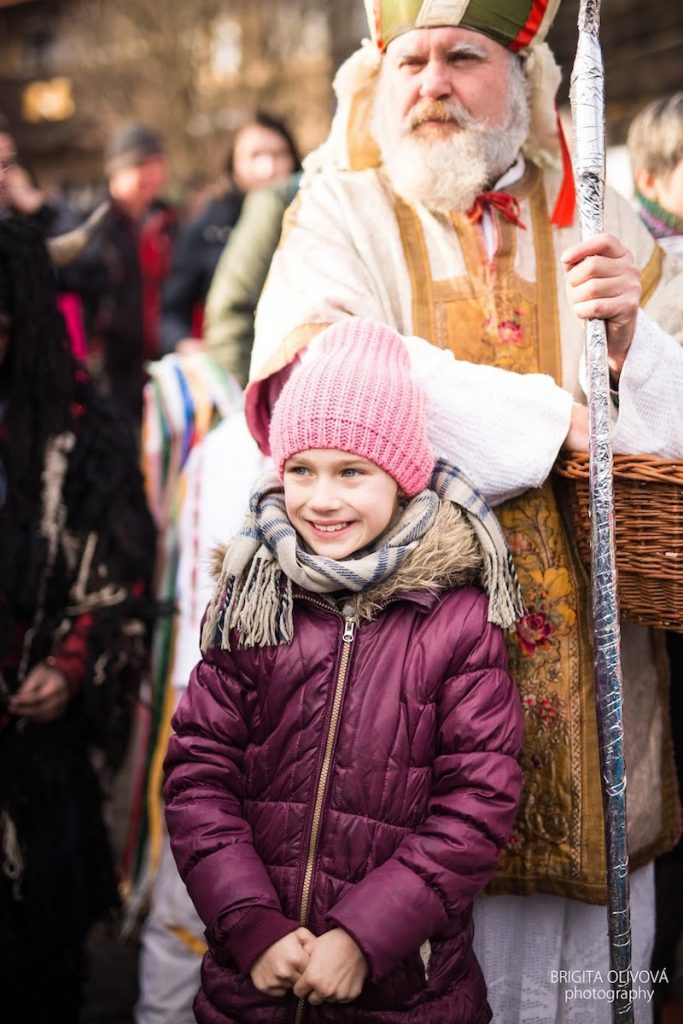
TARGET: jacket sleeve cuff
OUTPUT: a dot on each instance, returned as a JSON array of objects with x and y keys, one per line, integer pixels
[
  {"x": 389, "y": 917},
  {"x": 253, "y": 932}
]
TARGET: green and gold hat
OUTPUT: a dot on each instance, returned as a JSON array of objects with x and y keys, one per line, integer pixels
[{"x": 515, "y": 24}]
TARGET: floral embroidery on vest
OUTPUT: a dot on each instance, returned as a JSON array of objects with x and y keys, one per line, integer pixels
[{"x": 492, "y": 315}]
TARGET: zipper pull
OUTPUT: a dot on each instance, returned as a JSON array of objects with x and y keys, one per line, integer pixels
[{"x": 349, "y": 628}]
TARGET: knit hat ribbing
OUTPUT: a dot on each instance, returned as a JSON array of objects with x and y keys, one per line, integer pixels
[{"x": 356, "y": 395}]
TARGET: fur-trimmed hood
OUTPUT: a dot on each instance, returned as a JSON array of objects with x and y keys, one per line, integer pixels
[{"x": 448, "y": 556}]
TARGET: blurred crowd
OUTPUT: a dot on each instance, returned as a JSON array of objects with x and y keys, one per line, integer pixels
[{"x": 133, "y": 283}]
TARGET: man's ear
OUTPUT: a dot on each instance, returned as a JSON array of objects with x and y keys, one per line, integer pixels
[{"x": 647, "y": 183}]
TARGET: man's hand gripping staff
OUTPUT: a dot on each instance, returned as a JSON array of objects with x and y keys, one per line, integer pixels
[{"x": 603, "y": 283}]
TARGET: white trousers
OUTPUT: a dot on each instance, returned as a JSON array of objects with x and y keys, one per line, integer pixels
[
  {"x": 524, "y": 942},
  {"x": 169, "y": 965}
]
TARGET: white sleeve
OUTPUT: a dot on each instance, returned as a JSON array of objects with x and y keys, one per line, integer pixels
[
  {"x": 650, "y": 418},
  {"x": 503, "y": 429}
]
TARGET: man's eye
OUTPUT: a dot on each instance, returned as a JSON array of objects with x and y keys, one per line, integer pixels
[
  {"x": 463, "y": 58},
  {"x": 412, "y": 63}
]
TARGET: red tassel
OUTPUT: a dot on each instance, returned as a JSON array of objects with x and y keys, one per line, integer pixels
[{"x": 563, "y": 212}]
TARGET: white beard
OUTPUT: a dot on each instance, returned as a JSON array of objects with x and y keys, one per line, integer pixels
[
  {"x": 444, "y": 174},
  {"x": 447, "y": 173}
]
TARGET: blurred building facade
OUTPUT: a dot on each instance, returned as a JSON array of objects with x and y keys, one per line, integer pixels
[
  {"x": 70, "y": 70},
  {"x": 642, "y": 48}
]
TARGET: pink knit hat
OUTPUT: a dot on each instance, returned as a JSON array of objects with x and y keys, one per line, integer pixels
[{"x": 356, "y": 394}]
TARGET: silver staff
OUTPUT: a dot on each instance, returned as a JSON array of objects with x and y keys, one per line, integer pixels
[{"x": 587, "y": 99}]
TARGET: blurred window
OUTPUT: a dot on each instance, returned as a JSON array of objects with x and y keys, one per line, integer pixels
[{"x": 227, "y": 47}]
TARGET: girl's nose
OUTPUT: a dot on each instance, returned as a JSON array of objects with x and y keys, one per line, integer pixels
[{"x": 324, "y": 497}]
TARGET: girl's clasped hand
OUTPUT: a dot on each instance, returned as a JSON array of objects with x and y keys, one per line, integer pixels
[{"x": 326, "y": 969}]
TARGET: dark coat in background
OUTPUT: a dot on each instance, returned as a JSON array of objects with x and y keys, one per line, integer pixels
[
  {"x": 120, "y": 281},
  {"x": 196, "y": 254},
  {"x": 77, "y": 548}
]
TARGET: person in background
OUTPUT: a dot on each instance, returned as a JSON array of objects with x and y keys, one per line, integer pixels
[
  {"x": 77, "y": 549},
  {"x": 241, "y": 273},
  {"x": 197, "y": 190},
  {"x": 262, "y": 150},
  {"x": 172, "y": 934},
  {"x": 655, "y": 145},
  {"x": 123, "y": 270},
  {"x": 19, "y": 192},
  {"x": 8, "y": 155},
  {"x": 21, "y": 195}
]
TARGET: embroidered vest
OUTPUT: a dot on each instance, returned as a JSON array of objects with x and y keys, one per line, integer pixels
[{"x": 492, "y": 315}]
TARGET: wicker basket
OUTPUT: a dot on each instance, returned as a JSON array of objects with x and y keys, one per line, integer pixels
[{"x": 648, "y": 519}]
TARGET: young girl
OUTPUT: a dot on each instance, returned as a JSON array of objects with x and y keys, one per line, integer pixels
[{"x": 343, "y": 773}]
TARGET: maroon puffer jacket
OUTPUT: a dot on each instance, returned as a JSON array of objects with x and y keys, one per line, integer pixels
[{"x": 363, "y": 778}]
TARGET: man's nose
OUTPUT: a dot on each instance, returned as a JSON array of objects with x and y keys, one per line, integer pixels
[{"x": 436, "y": 82}]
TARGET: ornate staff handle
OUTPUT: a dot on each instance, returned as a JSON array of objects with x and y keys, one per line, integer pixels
[{"x": 587, "y": 99}]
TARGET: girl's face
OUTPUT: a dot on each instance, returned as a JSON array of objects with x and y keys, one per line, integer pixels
[{"x": 337, "y": 502}]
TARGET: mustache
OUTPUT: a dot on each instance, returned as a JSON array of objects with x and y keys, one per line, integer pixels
[{"x": 446, "y": 111}]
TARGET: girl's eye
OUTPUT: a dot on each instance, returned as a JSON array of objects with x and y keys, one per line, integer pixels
[
  {"x": 297, "y": 471},
  {"x": 352, "y": 472}
]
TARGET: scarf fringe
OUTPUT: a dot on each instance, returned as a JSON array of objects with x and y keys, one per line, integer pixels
[
  {"x": 260, "y": 606},
  {"x": 261, "y": 614},
  {"x": 506, "y": 603}
]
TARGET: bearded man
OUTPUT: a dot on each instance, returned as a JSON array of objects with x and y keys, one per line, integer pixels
[{"x": 442, "y": 204}]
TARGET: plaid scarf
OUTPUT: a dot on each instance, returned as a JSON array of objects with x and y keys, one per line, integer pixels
[{"x": 253, "y": 593}]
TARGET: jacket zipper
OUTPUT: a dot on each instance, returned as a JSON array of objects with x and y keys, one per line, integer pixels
[{"x": 347, "y": 640}]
